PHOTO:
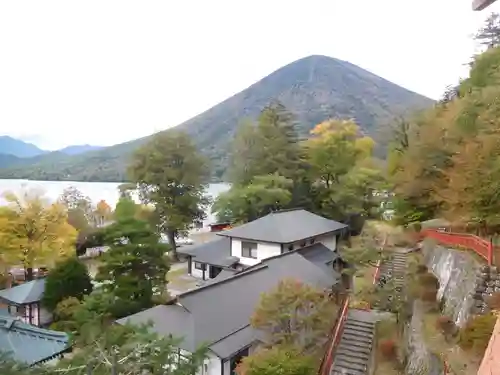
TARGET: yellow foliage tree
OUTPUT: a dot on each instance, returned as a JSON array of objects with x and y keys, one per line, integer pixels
[
  {"x": 335, "y": 148},
  {"x": 102, "y": 212},
  {"x": 36, "y": 232}
]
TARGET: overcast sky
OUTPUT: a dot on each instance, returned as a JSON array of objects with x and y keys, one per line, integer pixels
[{"x": 103, "y": 72}]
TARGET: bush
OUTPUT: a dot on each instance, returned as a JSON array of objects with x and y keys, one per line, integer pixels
[
  {"x": 422, "y": 269},
  {"x": 477, "y": 332},
  {"x": 387, "y": 348},
  {"x": 446, "y": 325},
  {"x": 70, "y": 278},
  {"x": 429, "y": 281}
]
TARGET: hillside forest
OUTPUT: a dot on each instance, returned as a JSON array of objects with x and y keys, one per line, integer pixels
[{"x": 445, "y": 162}]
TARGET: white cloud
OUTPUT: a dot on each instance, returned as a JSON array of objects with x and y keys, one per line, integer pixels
[{"x": 103, "y": 71}]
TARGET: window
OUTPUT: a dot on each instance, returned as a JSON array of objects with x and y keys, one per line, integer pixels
[
  {"x": 199, "y": 266},
  {"x": 249, "y": 249},
  {"x": 303, "y": 244},
  {"x": 290, "y": 247},
  {"x": 311, "y": 241}
]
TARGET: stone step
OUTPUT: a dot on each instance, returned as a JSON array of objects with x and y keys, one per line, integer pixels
[
  {"x": 351, "y": 364},
  {"x": 359, "y": 349},
  {"x": 357, "y": 337},
  {"x": 359, "y": 323},
  {"x": 362, "y": 355},
  {"x": 346, "y": 372},
  {"x": 359, "y": 328}
]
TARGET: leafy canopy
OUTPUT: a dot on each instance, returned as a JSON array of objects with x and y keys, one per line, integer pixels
[
  {"x": 70, "y": 278},
  {"x": 134, "y": 268},
  {"x": 172, "y": 176}
]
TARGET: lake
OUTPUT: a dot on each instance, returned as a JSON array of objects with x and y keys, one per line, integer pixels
[{"x": 94, "y": 190}]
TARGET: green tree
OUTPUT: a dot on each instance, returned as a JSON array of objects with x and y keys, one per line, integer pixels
[
  {"x": 171, "y": 175},
  {"x": 134, "y": 268},
  {"x": 263, "y": 195},
  {"x": 268, "y": 147},
  {"x": 277, "y": 361},
  {"x": 79, "y": 208},
  {"x": 489, "y": 34},
  {"x": 296, "y": 315},
  {"x": 135, "y": 351},
  {"x": 125, "y": 208},
  {"x": 70, "y": 278}
]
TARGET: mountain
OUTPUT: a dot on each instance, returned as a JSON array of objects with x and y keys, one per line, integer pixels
[
  {"x": 79, "y": 149},
  {"x": 15, "y": 147},
  {"x": 313, "y": 88}
]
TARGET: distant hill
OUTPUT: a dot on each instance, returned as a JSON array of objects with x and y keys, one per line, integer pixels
[
  {"x": 313, "y": 88},
  {"x": 80, "y": 149},
  {"x": 16, "y": 147}
]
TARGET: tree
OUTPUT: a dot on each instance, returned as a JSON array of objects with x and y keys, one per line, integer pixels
[
  {"x": 294, "y": 314},
  {"x": 126, "y": 208},
  {"x": 246, "y": 203},
  {"x": 268, "y": 147},
  {"x": 102, "y": 212},
  {"x": 79, "y": 208},
  {"x": 340, "y": 162},
  {"x": 489, "y": 34},
  {"x": 134, "y": 269},
  {"x": 40, "y": 229},
  {"x": 70, "y": 278},
  {"x": 335, "y": 148},
  {"x": 277, "y": 361},
  {"x": 171, "y": 175},
  {"x": 135, "y": 351}
]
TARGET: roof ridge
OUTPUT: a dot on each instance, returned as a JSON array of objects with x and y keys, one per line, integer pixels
[
  {"x": 230, "y": 334},
  {"x": 206, "y": 286},
  {"x": 16, "y": 324}
]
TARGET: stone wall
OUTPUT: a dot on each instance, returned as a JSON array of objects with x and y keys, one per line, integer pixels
[
  {"x": 419, "y": 359},
  {"x": 459, "y": 278}
]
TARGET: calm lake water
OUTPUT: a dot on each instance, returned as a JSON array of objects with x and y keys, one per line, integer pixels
[{"x": 94, "y": 190}]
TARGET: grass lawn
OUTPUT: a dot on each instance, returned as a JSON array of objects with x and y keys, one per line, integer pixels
[{"x": 175, "y": 274}]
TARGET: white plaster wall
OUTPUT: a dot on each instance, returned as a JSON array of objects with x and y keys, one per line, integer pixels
[
  {"x": 198, "y": 273},
  {"x": 213, "y": 365},
  {"x": 264, "y": 251},
  {"x": 45, "y": 316},
  {"x": 329, "y": 240}
]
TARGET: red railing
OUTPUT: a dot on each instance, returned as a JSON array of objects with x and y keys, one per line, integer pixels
[
  {"x": 480, "y": 246},
  {"x": 326, "y": 364}
]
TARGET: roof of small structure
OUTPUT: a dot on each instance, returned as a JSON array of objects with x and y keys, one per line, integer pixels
[
  {"x": 24, "y": 294},
  {"x": 29, "y": 344}
]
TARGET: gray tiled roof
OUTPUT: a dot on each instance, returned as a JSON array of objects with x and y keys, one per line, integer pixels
[
  {"x": 216, "y": 252},
  {"x": 285, "y": 227},
  {"x": 23, "y": 294},
  {"x": 29, "y": 344},
  {"x": 218, "y": 313}
]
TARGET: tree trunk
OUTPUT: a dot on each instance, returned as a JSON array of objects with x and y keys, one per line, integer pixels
[
  {"x": 173, "y": 246},
  {"x": 28, "y": 274}
]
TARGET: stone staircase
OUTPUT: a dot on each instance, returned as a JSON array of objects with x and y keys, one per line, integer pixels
[
  {"x": 353, "y": 355},
  {"x": 393, "y": 270}
]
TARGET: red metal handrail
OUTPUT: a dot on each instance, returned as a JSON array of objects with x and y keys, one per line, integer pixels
[
  {"x": 480, "y": 246},
  {"x": 326, "y": 364}
]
